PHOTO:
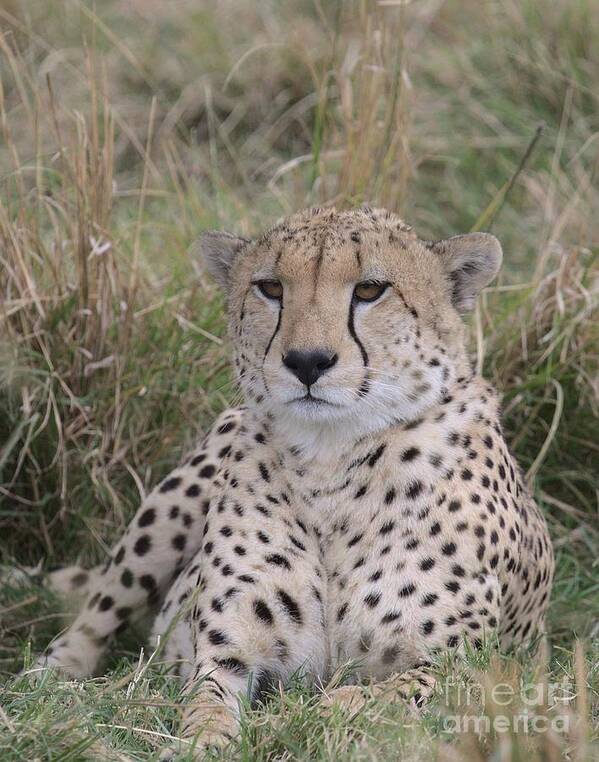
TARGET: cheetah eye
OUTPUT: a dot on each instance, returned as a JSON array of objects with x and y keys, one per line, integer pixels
[
  {"x": 272, "y": 289},
  {"x": 369, "y": 290}
]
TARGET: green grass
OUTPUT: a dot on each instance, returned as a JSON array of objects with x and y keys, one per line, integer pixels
[{"x": 127, "y": 128}]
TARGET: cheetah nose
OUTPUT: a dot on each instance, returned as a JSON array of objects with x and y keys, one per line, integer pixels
[{"x": 309, "y": 366}]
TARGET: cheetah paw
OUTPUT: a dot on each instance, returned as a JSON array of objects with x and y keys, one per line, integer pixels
[
  {"x": 196, "y": 749},
  {"x": 415, "y": 687},
  {"x": 346, "y": 697}
]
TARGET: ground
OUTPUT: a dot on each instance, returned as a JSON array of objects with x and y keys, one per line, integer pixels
[{"x": 127, "y": 133}]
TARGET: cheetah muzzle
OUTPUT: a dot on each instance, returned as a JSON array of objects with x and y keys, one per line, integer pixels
[{"x": 362, "y": 507}]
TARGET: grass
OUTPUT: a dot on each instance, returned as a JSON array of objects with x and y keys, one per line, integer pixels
[{"x": 129, "y": 127}]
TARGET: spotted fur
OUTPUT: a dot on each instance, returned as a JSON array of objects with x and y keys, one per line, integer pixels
[{"x": 374, "y": 516}]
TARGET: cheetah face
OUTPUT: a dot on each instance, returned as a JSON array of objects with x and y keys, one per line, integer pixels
[{"x": 347, "y": 318}]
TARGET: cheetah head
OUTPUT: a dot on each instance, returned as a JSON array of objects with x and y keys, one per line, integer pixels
[{"x": 347, "y": 320}]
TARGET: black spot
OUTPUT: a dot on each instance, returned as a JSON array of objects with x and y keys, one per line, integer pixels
[
  {"x": 427, "y": 564},
  {"x": 142, "y": 545},
  {"x": 355, "y": 540},
  {"x": 207, "y": 472},
  {"x": 391, "y": 616},
  {"x": 264, "y": 473},
  {"x": 429, "y": 599},
  {"x": 414, "y": 489},
  {"x": 226, "y": 427},
  {"x": 117, "y": 560},
  {"x": 387, "y": 527},
  {"x": 179, "y": 541},
  {"x": 174, "y": 512},
  {"x": 410, "y": 454},
  {"x": 342, "y": 612},
  {"x": 301, "y": 525},
  {"x": 408, "y": 590},
  {"x": 170, "y": 484},
  {"x": 82, "y": 577},
  {"x": 232, "y": 664},
  {"x": 148, "y": 582},
  {"x": 372, "y": 599},
  {"x": 127, "y": 578},
  {"x": 449, "y": 549},
  {"x": 278, "y": 560},
  {"x": 262, "y": 611},
  {"x": 390, "y": 496},
  {"x": 428, "y": 627},
  {"x": 193, "y": 490},
  {"x": 217, "y": 638},
  {"x": 147, "y": 517},
  {"x": 290, "y": 606},
  {"x": 376, "y": 455},
  {"x": 297, "y": 543},
  {"x": 106, "y": 603}
]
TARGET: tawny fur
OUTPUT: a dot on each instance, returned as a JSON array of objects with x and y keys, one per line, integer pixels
[{"x": 375, "y": 526}]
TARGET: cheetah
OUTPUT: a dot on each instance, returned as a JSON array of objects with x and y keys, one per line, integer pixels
[{"x": 362, "y": 507}]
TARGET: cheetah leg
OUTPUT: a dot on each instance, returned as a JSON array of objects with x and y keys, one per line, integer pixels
[
  {"x": 164, "y": 534},
  {"x": 263, "y": 636},
  {"x": 254, "y": 617},
  {"x": 415, "y": 686},
  {"x": 210, "y": 718},
  {"x": 73, "y": 582}
]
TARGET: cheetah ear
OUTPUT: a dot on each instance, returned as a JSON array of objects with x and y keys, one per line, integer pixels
[
  {"x": 217, "y": 250},
  {"x": 471, "y": 261}
]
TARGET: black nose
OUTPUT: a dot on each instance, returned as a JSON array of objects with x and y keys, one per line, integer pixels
[{"x": 309, "y": 366}]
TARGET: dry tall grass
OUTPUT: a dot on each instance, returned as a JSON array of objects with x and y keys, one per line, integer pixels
[{"x": 128, "y": 127}]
